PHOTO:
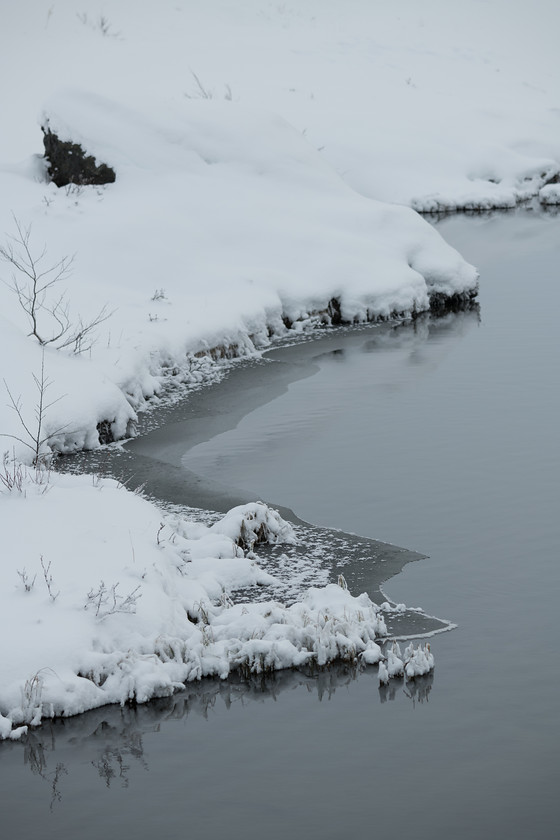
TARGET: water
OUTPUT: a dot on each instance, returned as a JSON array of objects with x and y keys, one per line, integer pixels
[{"x": 443, "y": 439}]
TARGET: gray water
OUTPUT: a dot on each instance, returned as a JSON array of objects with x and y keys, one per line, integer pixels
[{"x": 441, "y": 437}]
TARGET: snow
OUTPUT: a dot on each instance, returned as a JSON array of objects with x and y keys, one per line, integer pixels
[
  {"x": 110, "y": 600},
  {"x": 255, "y": 149},
  {"x": 550, "y": 194},
  {"x": 269, "y": 161},
  {"x": 249, "y": 525},
  {"x": 222, "y": 224}
]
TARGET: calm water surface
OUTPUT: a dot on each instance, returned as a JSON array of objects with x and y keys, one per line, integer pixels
[{"x": 441, "y": 438}]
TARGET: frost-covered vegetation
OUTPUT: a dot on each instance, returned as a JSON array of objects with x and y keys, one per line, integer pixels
[{"x": 112, "y": 602}]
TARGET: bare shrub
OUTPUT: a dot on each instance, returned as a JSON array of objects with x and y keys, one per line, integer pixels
[
  {"x": 12, "y": 474},
  {"x": 106, "y": 601},
  {"x": 33, "y": 436},
  {"x": 36, "y": 286},
  {"x": 28, "y": 583}
]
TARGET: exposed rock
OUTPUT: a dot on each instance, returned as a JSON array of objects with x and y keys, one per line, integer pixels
[
  {"x": 108, "y": 432},
  {"x": 69, "y": 163},
  {"x": 105, "y": 432},
  {"x": 334, "y": 311},
  {"x": 441, "y": 304}
]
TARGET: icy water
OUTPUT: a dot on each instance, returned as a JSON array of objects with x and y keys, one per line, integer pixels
[{"x": 442, "y": 438}]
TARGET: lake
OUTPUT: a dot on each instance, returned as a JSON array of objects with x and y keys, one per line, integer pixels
[{"x": 438, "y": 436}]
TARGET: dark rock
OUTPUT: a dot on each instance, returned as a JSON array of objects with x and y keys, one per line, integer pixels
[
  {"x": 441, "y": 304},
  {"x": 105, "y": 432},
  {"x": 334, "y": 311},
  {"x": 69, "y": 163}
]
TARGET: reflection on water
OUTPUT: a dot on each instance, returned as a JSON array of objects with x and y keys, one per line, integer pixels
[
  {"x": 532, "y": 207},
  {"x": 111, "y": 740},
  {"x": 409, "y": 337},
  {"x": 330, "y": 430},
  {"x": 35, "y": 758},
  {"x": 274, "y": 452}
]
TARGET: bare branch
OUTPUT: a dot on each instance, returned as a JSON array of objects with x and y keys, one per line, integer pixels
[
  {"x": 26, "y": 580},
  {"x": 15, "y": 405},
  {"x": 33, "y": 284},
  {"x": 46, "y": 567},
  {"x": 36, "y": 437},
  {"x": 107, "y": 601},
  {"x": 12, "y": 474},
  {"x": 84, "y": 330}
]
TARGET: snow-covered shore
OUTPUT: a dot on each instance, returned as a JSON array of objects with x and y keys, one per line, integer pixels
[
  {"x": 223, "y": 230},
  {"x": 110, "y": 601},
  {"x": 255, "y": 150}
]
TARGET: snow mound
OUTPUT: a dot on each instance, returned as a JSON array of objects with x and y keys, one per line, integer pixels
[
  {"x": 550, "y": 194},
  {"x": 112, "y": 602},
  {"x": 249, "y": 525},
  {"x": 509, "y": 180}
]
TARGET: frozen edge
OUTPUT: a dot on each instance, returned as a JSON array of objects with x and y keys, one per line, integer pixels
[
  {"x": 215, "y": 637},
  {"x": 173, "y": 376},
  {"x": 543, "y": 187}
]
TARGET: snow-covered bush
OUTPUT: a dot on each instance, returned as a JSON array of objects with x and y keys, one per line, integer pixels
[{"x": 249, "y": 525}]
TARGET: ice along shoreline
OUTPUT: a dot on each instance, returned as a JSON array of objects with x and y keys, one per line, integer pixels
[{"x": 153, "y": 461}]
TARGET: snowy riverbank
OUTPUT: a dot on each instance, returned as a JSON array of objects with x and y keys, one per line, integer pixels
[
  {"x": 223, "y": 230},
  {"x": 112, "y": 601},
  {"x": 255, "y": 151}
]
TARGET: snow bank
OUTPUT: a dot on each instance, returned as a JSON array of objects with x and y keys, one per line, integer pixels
[
  {"x": 429, "y": 104},
  {"x": 252, "y": 147},
  {"x": 103, "y": 601},
  {"x": 232, "y": 216},
  {"x": 223, "y": 228}
]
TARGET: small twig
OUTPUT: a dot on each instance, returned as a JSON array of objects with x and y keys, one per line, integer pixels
[
  {"x": 160, "y": 529},
  {"x": 47, "y": 312},
  {"x": 49, "y": 580},
  {"x": 108, "y": 601},
  {"x": 28, "y": 585},
  {"x": 12, "y": 474}
]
